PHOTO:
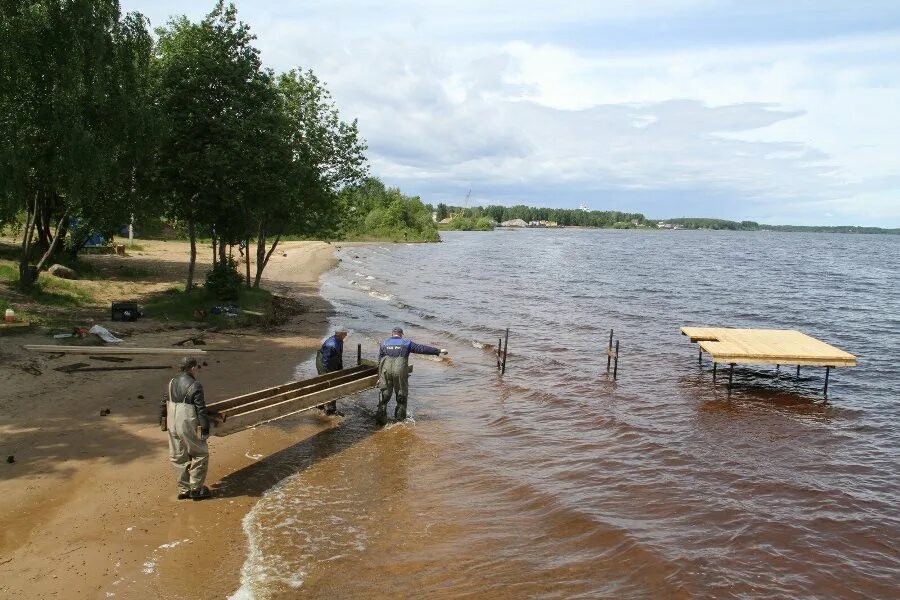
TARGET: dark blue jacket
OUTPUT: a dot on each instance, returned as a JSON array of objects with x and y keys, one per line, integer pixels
[
  {"x": 398, "y": 346},
  {"x": 333, "y": 354}
]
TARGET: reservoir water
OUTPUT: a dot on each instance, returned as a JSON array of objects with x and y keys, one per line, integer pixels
[{"x": 553, "y": 481}]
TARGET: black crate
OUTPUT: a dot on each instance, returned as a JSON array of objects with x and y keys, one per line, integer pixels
[{"x": 125, "y": 311}]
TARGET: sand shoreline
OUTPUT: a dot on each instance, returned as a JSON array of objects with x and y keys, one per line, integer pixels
[{"x": 88, "y": 509}]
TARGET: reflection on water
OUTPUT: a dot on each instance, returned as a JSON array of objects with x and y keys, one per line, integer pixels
[{"x": 554, "y": 481}]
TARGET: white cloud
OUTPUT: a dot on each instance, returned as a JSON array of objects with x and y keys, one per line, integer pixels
[{"x": 459, "y": 94}]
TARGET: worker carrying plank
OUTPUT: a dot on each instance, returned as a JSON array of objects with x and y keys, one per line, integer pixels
[
  {"x": 183, "y": 415},
  {"x": 330, "y": 358},
  {"x": 393, "y": 372}
]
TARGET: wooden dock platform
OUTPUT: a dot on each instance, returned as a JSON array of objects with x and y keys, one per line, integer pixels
[
  {"x": 767, "y": 346},
  {"x": 777, "y": 347}
]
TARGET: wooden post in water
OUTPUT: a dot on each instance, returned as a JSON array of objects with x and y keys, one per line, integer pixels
[
  {"x": 715, "y": 365},
  {"x": 798, "y": 370},
  {"x": 499, "y": 350},
  {"x": 616, "y": 362},
  {"x": 730, "y": 376},
  {"x": 827, "y": 372},
  {"x": 505, "y": 352},
  {"x": 358, "y": 354},
  {"x": 612, "y": 354},
  {"x": 609, "y": 349}
]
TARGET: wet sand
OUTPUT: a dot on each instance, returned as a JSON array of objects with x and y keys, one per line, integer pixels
[{"x": 88, "y": 508}]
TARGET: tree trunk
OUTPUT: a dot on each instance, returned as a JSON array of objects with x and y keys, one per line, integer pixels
[
  {"x": 261, "y": 263},
  {"x": 27, "y": 275},
  {"x": 214, "y": 248},
  {"x": 247, "y": 260},
  {"x": 60, "y": 234},
  {"x": 222, "y": 252},
  {"x": 192, "y": 232}
]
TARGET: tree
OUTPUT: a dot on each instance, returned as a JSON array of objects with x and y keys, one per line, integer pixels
[
  {"x": 69, "y": 71},
  {"x": 326, "y": 155},
  {"x": 442, "y": 212},
  {"x": 208, "y": 88}
]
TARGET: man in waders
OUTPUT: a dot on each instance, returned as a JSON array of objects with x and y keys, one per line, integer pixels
[
  {"x": 183, "y": 414},
  {"x": 330, "y": 358},
  {"x": 393, "y": 372}
]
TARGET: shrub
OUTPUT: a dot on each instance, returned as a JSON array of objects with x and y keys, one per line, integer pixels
[{"x": 224, "y": 281}]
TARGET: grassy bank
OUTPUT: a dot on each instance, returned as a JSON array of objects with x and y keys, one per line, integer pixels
[{"x": 197, "y": 305}]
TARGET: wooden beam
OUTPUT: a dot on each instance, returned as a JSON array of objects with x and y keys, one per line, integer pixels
[
  {"x": 112, "y": 350},
  {"x": 228, "y": 403},
  {"x": 245, "y": 406},
  {"x": 251, "y": 418}
]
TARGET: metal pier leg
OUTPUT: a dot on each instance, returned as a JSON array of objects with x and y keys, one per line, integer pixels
[
  {"x": 730, "y": 376},
  {"x": 609, "y": 349},
  {"x": 616, "y": 363},
  {"x": 505, "y": 352},
  {"x": 827, "y": 372}
]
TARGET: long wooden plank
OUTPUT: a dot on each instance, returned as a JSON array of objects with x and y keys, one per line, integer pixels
[
  {"x": 112, "y": 350},
  {"x": 227, "y": 403},
  {"x": 225, "y": 413},
  {"x": 251, "y": 418}
]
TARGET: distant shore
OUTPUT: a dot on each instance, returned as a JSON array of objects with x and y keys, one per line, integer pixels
[{"x": 88, "y": 508}]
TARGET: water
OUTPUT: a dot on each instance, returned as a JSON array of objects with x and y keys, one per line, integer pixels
[{"x": 556, "y": 482}]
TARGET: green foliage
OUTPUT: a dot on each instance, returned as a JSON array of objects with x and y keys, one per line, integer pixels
[
  {"x": 469, "y": 224},
  {"x": 223, "y": 281},
  {"x": 73, "y": 132},
  {"x": 372, "y": 211}
]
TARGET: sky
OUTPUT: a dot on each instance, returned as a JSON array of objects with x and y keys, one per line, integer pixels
[{"x": 776, "y": 112}]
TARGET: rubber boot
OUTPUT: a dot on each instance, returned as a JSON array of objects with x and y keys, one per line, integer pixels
[
  {"x": 400, "y": 410},
  {"x": 381, "y": 414}
]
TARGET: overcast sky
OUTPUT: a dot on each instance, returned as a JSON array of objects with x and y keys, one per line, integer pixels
[{"x": 732, "y": 109}]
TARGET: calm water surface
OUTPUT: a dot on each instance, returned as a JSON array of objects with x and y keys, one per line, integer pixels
[{"x": 553, "y": 481}]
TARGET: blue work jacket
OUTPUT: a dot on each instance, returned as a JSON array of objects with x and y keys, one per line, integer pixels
[
  {"x": 396, "y": 346},
  {"x": 333, "y": 354}
]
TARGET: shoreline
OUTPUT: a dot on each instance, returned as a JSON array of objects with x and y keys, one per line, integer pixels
[{"x": 88, "y": 508}]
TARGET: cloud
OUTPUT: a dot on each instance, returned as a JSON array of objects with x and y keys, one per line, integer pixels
[{"x": 733, "y": 109}]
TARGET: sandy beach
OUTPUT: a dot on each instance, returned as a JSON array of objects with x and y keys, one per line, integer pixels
[{"x": 88, "y": 507}]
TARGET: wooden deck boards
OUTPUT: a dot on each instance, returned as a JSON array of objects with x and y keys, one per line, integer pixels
[{"x": 767, "y": 346}]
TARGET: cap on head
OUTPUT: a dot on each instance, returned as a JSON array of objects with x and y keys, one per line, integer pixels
[
  {"x": 397, "y": 331},
  {"x": 188, "y": 363},
  {"x": 340, "y": 329}
]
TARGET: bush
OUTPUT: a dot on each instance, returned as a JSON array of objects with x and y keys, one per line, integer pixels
[{"x": 224, "y": 281}]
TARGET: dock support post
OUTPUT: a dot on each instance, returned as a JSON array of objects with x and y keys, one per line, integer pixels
[
  {"x": 609, "y": 349},
  {"x": 700, "y": 357},
  {"x": 827, "y": 372},
  {"x": 715, "y": 365},
  {"x": 358, "y": 354},
  {"x": 505, "y": 351},
  {"x": 798, "y": 370},
  {"x": 730, "y": 376},
  {"x": 616, "y": 362},
  {"x": 499, "y": 350},
  {"x": 777, "y": 368}
]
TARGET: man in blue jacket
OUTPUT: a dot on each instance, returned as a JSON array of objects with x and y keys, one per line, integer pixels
[
  {"x": 393, "y": 372},
  {"x": 329, "y": 358}
]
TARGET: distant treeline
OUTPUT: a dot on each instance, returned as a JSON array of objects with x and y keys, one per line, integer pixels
[
  {"x": 720, "y": 224},
  {"x": 566, "y": 217}
]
